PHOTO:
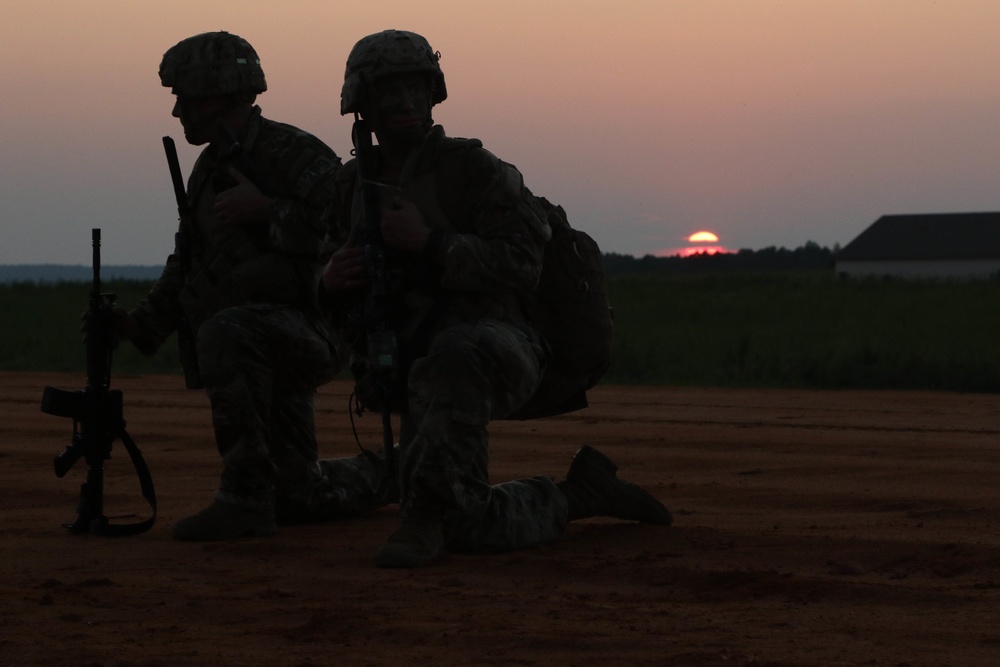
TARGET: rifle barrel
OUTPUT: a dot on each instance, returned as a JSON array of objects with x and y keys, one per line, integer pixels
[
  {"x": 176, "y": 177},
  {"x": 95, "y": 237}
]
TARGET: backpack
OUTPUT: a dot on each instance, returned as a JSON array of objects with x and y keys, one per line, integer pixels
[
  {"x": 569, "y": 308},
  {"x": 571, "y": 311}
]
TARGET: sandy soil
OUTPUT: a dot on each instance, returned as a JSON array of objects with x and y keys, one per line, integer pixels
[{"x": 811, "y": 528}]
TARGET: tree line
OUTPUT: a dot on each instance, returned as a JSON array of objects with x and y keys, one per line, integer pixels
[{"x": 810, "y": 257}]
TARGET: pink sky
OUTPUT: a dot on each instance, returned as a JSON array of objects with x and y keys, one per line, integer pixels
[{"x": 768, "y": 123}]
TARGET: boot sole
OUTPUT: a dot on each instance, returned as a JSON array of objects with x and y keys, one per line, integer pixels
[
  {"x": 391, "y": 558},
  {"x": 261, "y": 531},
  {"x": 266, "y": 531},
  {"x": 218, "y": 524},
  {"x": 588, "y": 464}
]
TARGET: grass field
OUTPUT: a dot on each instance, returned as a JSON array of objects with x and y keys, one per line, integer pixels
[
  {"x": 803, "y": 329},
  {"x": 42, "y": 328}
]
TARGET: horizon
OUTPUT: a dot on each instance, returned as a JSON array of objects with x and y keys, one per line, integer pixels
[{"x": 51, "y": 273}]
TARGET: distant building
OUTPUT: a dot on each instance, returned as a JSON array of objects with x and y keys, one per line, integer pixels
[{"x": 940, "y": 245}]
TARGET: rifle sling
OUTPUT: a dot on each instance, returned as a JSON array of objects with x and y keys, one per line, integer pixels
[{"x": 148, "y": 492}]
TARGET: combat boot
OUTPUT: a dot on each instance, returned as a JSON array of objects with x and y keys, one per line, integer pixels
[
  {"x": 592, "y": 488},
  {"x": 418, "y": 541},
  {"x": 224, "y": 521}
]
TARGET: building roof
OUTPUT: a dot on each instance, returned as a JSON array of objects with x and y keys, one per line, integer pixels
[{"x": 927, "y": 236}]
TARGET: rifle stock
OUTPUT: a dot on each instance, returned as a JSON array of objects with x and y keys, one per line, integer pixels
[{"x": 97, "y": 414}]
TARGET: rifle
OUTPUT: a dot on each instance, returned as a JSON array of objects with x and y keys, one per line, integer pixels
[
  {"x": 98, "y": 420},
  {"x": 182, "y": 245},
  {"x": 383, "y": 353}
]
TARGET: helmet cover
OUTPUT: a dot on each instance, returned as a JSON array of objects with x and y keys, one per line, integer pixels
[
  {"x": 212, "y": 63},
  {"x": 386, "y": 53}
]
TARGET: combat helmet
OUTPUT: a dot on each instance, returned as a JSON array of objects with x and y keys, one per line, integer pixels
[
  {"x": 212, "y": 63},
  {"x": 384, "y": 53}
]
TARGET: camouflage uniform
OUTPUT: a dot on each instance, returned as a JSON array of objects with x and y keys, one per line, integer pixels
[
  {"x": 468, "y": 351},
  {"x": 452, "y": 265},
  {"x": 245, "y": 293}
]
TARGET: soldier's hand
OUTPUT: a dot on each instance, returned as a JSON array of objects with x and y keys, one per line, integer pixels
[
  {"x": 123, "y": 324},
  {"x": 403, "y": 227},
  {"x": 243, "y": 203},
  {"x": 345, "y": 270},
  {"x": 126, "y": 327}
]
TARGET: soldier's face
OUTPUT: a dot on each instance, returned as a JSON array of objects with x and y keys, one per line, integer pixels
[
  {"x": 403, "y": 103},
  {"x": 198, "y": 116}
]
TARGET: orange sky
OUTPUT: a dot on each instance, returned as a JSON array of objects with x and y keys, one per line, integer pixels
[{"x": 768, "y": 123}]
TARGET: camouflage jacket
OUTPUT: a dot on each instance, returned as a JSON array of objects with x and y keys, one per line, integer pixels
[
  {"x": 493, "y": 241},
  {"x": 215, "y": 266}
]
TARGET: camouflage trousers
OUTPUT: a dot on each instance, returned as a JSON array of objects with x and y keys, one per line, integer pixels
[
  {"x": 337, "y": 489},
  {"x": 471, "y": 374},
  {"x": 260, "y": 365}
]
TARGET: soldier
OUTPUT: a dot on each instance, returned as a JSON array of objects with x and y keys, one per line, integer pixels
[
  {"x": 464, "y": 248},
  {"x": 240, "y": 286}
]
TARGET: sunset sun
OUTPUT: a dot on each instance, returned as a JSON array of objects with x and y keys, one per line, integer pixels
[
  {"x": 700, "y": 243},
  {"x": 703, "y": 237}
]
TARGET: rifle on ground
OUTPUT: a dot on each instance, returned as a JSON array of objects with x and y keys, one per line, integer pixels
[
  {"x": 383, "y": 353},
  {"x": 98, "y": 419}
]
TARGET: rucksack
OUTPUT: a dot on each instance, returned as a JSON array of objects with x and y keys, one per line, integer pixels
[
  {"x": 570, "y": 308},
  {"x": 570, "y": 305}
]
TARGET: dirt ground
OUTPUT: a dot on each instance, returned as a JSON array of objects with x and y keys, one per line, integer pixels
[{"x": 811, "y": 528}]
